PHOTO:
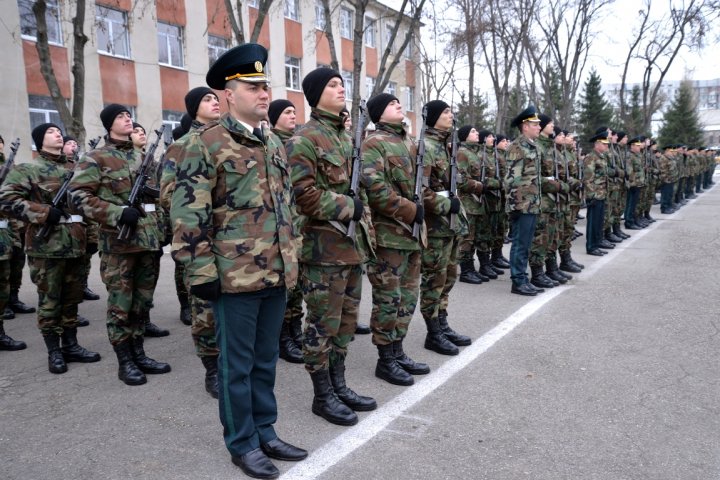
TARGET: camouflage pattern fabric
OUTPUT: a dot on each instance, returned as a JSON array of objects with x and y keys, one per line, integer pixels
[
  {"x": 439, "y": 272},
  {"x": 332, "y": 295},
  {"x": 294, "y": 307},
  {"x": 595, "y": 176},
  {"x": 469, "y": 243},
  {"x": 59, "y": 287},
  {"x": 231, "y": 210},
  {"x": 470, "y": 167},
  {"x": 6, "y": 242},
  {"x": 523, "y": 177},
  {"x": 202, "y": 328},
  {"x": 546, "y": 229}
]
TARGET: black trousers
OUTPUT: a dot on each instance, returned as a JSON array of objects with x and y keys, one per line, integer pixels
[{"x": 594, "y": 227}]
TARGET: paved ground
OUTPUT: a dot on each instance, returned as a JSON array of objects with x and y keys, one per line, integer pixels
[{"x": 613, "y": 377}]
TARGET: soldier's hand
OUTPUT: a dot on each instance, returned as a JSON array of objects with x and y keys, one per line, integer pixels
[
  {"x": 207, "y": 291},
  {"x": 419, "y": 213},
  {"x": 454, "y": 205},
  {"x": 358, "y": 209},
  {"x": 130, "y": 216},
  {"x": 54, "y": 216}
]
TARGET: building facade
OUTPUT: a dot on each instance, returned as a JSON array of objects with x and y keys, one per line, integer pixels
[{"x": 147, "y": 54}]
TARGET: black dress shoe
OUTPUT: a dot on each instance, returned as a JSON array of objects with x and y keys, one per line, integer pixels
[
  {"x": 280, "y": 450},
  {"x": 596, "y": 253},
  {"x": 256, "y": 464},
  {"x": 90, "y": 295},
  {"x": 523, "y": 289},
  {"x": 362, "y": 329},
  {"x": 606, "y": 245}
]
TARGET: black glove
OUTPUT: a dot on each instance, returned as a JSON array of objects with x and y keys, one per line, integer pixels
[
  {"x": 359, "y": 207},
  {"x": 419, "y": 213},
  {"x": 91, "y": 248},
  {"x": 454, "y": 205},
  {"x": 207, "y": 291},
  {"x": 130, "y": 216},
  {"x": 54, "y": 216}
]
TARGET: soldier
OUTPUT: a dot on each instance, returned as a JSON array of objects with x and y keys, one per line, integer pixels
[
  {"x": 470, "y": 193},
  {"x": 100, "y": 189},
  {"x": 569, "y": 171},
  {"x": 498, "y": 259},
  {"x": 523, "y": 201},
  {"x": 233, "y": 231},
  {"x": 331, "y": 262},
  {"x": 203, "y": 107},
  {"x": 492, "y": 200},
  {"x": 439, "y": 258},
  {"x": 636, "y": 182},
  {"x": 595, "y": 182},
  {"x": 668, "y": 177},
  {"x": 55, "y": 269},
  {"x": 281, "y": 114},
  {"x": 389, "y": 164},
  {"x": 620, "y": 151}
]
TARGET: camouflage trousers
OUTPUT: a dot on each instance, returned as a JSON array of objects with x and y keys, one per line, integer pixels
[
  {"x": 202, "y": 326},
  {"x": 470, "y": 242},
  {"x": 4, "y": 286},
  {"x": 502, "y": 228},
  {"x": 546, "y": 233},
  {"x": 395, "y": 279},
  {"x": 294, "y": 308},
  {"x": 87, "y": 267},
  {"x": 130, "y": 280},
  {"x": 438, "y": 275},
  {"x": 488, "y": 233},
  {"x": 622, "y": 202},
  {"x": 59, "y": 292},
  {"x": 611, "y": 205},
  {"x": 567, "y": 227},
  {"x": 332, "y": 296},
  {"x": 180, "y": 287}
]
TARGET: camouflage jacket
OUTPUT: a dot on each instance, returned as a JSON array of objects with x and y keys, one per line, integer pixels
[
  {"x": 436, "y": 176},
  {"x": 616, "y": 172},
  {"x": 282, "y": 135},
  {"x": 569, "y": 163},
  {"x": 636, "y": 170},
  {"x": 595, "y": 178},
  {"x": 523, "y": 177},
  {"x": 388, "y": 157},
  {"x": 502, "y": 163},
  {"x": 167, "y": 179},
  {"x": 470, "y": 167},
  {"x": 100, "y": 190},
  {"x": 231, "y": 210},
  {"x": 15, "y": 226},
  {"x": 320, "y": 157},
  {"x": 550, "y": 185},
  {"x": 492, "y": 182},
  {"x": 27, "y": 193},
  {"x": 668, "y": 169}
]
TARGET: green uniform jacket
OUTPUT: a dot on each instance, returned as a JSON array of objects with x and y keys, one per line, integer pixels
[
  {"x": 28, "y": 191},
  {"x": 470, "y": 167},
  {"x": 523, "y": 177},
  {"x": 492, "y": 182},
  {"x": 595, "y": 176},
  {"x": 568, "y": 162},
  {"x": 231, "y": 210},
  {"x": 668, "y": 169},
  {"x": 388, "y": 157},
  {"x": 167, "y": 179},
  {"x": 550, "y": 184},
  {"x": 636, "y": 170},
  {"x": 320, "y": 157},
  {"x": 100, "y": 190}
]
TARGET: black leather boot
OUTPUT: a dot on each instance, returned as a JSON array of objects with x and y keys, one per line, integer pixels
[
  {"x": 467, "y": 273},
  {"x": 128, "y": 372},
  {"x": 8, "y": 314},
  {"x": 572, "y": 260},
  {"x": 7, "y": 343},
  {"x": 539, "y": 279},
  {"x": 498, "y": 260},
  {"x": 407, "y": 363},
  {"x": 296, "y": 331},
  {"x": 152, "y": 330},
  {"x": 388, "y": 368},
  {"x": 649, "y": 218},
  {"x": 185, "y": 310},
  {"x": 450, "y": 334},
  {"x": 89, "y": 294},
  {"x": 618, "y": 231},
  {"x": 56, "y": 362},
  {"x": 211, "y": 374},
  {"x": 326, "y": 404},
  {"x": 143, "y": 362},
  {"x": 485, "y": 266},
  {"x": 82, "y": 321},
  {"x": 17, "y": 306},
  {"x": 566, "y": 263},
  {"x": 524, "y": 289},
  {"x": 73, "y": 352},
  {"x": 356, "y": 402},
  {"x": 288, "y": 350},
  {"x": 611, "y": 237},
  {"x": 552, "y": 270},
  {"x": 436, "y": 341},
  {"x": 362, "y": 329}
]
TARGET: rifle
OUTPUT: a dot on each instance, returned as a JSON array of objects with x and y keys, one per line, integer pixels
[
  {"x": 94, "y": 142},
  {"x": 557, "y": 177},
  {"x": 453, "y": 171},
  {"x": 356, "y": 161},
  {"x": 581, "y": 171},
  {"x": 10, "y": 160},
  {"x": 140, "y": 185},
  {"x": 57, "y": 202},
  {"x": 419, "y": 170}
]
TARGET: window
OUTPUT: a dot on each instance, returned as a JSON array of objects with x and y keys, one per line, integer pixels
[
  {"x": 391, "y": 88},
  {"x": 216, "y": 47},
  {"x": 319, "y": 15},
  {"x": 346, "y": 23},
  {"x": 171, "y": 118},
  {"x": 43, "y": 110},
  {"x": 112, "y": 32},
  {"x": 370, "y": 32},
  {"x": 348, "y": 84},
  {"x": 292, "y": 73},
  {"x": 28, "y": 25},
  {"x": 388, "y": 34},
  {"x": 410, "y": 99},
  {"x": 170, "y": 45},
  {"x": 369, "y": 85},
  {"x": 407, "y": 53},
  {"x": 292, "y": 10}
]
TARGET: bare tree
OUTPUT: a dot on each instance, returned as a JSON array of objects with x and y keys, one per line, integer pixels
[
  {"x": 237, "y": 24},
  {"x": 438, "y": 67},
  {"x": 328, "y": 30}
]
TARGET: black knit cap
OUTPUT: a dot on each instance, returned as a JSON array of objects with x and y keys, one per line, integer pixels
[
  {"x": 601, "y": 130},
  {"x": 68, "y": 138},
  {"x": 38, "y": 134},
  {"x": 544, "y": 120},
  {"x": 483, "y": 134},
  {"x": 108, "y": 114},
  {"x": 621, "y": 135},
  {"x": 276, "y": 108},
  {"x": 499, "y": 138},
  {"x": 557, "y": 131},
  {"x": 464, "y": 131},
  {"x": 193, "y": 99},
  {"x": 137, "y": 125},
  {"x": 435, "y": 108},
  {"x": 377, "y": 105},
  {"x": 315, "y": 82}
]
